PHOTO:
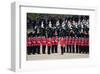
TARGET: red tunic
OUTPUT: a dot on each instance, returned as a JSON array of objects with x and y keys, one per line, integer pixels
[
  {"x": 66, "y": 41},
  {"x": 62, "y": 42},
  {"x": 49, "y": 43},
  {"x": 82, "y": 42},
  {"x": 38, "y": 41},
  {"x": 33, "y": 41},
  {"x": 76, "y": 41},
  {"x": 56, "y": 41},
  {"x": 43, "y": 41},
  {"x": 29, "y": 42},
  {"x": 79, "y": 41},
  {"x": 87, "y": 42},
  {"x": 53, "y": 41},
  {"x": 72, "y": 41},
  {"x": 69, "y": 41}
]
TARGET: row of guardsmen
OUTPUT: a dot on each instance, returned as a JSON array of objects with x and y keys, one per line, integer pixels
[{"x": 67, "y": 45}]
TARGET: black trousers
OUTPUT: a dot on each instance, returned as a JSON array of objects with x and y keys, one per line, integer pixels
[
  {"x": 77, "y": 48},
  {"x": 70, "y": 49},
  {"x": 56, "y": 48},
  {"x": 29, "y": 50},
  {"x": 62, "y": 50},
  {"x": 67, "y": 49},
  {"x": 49, "y": 49},
  {"x": 73, "y": 49},
  {"x": 53, "y": 48},
  {"x": 84, "y": 49},
  {"x": 43, "y": 49},
  {"x": 33, "y": 49},
  {"x": 38, "y": 50},
  {"x": 81, "y": 49},
  {"x": 87, "y": 49}
]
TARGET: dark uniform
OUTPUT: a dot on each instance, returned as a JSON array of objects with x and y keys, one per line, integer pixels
[
  {"x": 67, "y": 45},
  {"x": 49, "y": 44},
  {"x": 50, "y": 32},
  {"x": 42, "y": 32},
  {"x": 87, "y": 45},
  {"x": 76, "y": 43},
  {"x": 29, "y": 46},
  {"x": 72, "y": 34},
  {"x": 38, "y": 45},
  {"x": 62, "y": 44},
  {"x": 79, "y": 44},
  {"x": 53, "y": 44},
  {"x": 34, "y": 45},
  {"x": 82, "y": 45},
  {"x": 43, "y": 42},
  {"x": 30, "y": 34},
  {"x": 38, "y": 33},
  {"x": 73, "y": 44},
  {"x": 56, "y": 44}
]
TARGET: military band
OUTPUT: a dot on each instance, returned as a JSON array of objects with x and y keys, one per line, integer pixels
[{"x": 67, "y": 35}]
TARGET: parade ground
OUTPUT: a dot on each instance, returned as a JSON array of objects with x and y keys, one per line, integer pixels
[{"x": 56, "y": 56}]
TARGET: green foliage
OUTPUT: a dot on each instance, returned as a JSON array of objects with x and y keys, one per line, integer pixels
[{"x": 33, "y": 16}]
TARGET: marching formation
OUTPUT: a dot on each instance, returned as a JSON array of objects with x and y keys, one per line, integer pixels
[
  {"x": 68, "y": 45},
  {"x": 51, "y": 34}
]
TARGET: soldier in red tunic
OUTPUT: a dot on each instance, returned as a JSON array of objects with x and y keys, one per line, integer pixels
[
  {"x": 38, "y": 40},
  {"x": 73, "y": 44},
  {"x": 62, "y": 44},
  {"x": 53, "y": 44},
  {"x": 79, "y": 44},
  {"x": 76, "y": 43},
  {"x": 29, "y": 46},
  {"x": 49, "y": 45},
  {"x": 82, "y": 45},
  {"x": 43, "y": 42},
  {"x": 33, "y": 45},
  {"x": 69, "y": 43},
  {"x": 56, "y": 44},
  {"x": 66, "y": 49},
  {"x": 87, "y": 45}
]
